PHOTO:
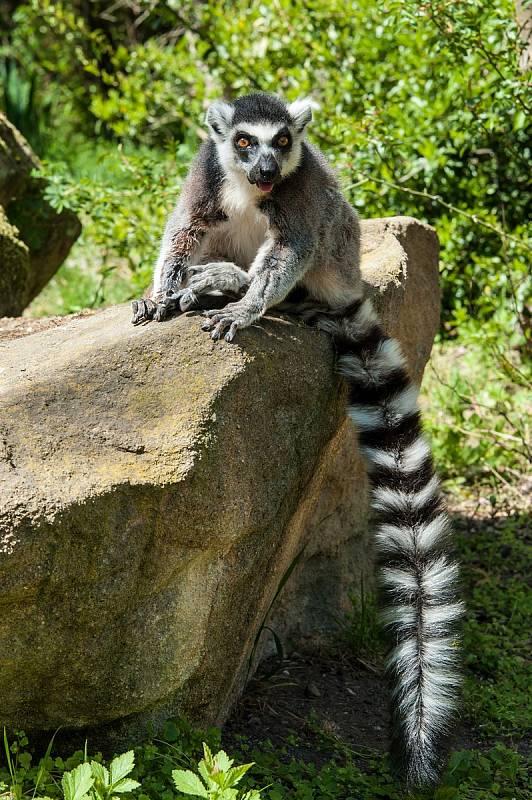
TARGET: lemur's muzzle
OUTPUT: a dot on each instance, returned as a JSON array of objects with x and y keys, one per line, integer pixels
[{"x": 265, "y": 172}]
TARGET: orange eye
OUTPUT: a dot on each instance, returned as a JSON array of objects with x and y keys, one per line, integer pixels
[
  {"x": 243, "y": 142},
  {"x": 282, "y": 141}
]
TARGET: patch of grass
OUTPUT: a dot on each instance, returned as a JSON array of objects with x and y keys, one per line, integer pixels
[
  {"x": 472, "y": 775},
  {"x": 476, "y": 403},
  {"x": 495, "y": 557},
  {"x": 477, "y": 408},
  {"x": 361, "y": 631}
]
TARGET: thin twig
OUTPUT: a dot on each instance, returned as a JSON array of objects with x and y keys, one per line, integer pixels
[{"x": 437, "y": 199}]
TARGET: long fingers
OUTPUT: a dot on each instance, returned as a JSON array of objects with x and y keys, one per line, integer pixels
[{"x": 143, "y": 310}]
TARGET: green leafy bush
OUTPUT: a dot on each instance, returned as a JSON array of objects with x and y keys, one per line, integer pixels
[{"x": 424, "y": 112}]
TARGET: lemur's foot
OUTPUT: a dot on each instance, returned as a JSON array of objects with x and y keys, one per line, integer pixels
[
  {"x": 215, "y": 276},
  {"x": 188, "y": 300},
  {"x": 231, "y": 318},
  {"x": 143, "y": 310},
  {"x": 223, "y": 276}
]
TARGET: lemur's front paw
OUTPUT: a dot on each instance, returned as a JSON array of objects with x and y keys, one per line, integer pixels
[
  {"x": 143, "y": 310},
  {"x": 167, "y": 306},
  {"x": 147, "y": 309},
  {"x": 230, "y": 319}
]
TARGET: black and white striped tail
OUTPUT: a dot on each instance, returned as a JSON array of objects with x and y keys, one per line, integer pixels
[{"x": 418, "y": 579}]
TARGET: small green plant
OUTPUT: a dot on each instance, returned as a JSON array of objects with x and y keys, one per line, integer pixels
[
  {"x": 219, "y": 778},
  {"x": 362, "y": 629},
  {"x": 18, "y": 762},
  {"x": 95, "y": 782}
]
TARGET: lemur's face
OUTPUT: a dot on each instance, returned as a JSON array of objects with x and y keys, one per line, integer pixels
[
  {"x": 261, "y": 151},
  {"x": 259, "y": 136}
]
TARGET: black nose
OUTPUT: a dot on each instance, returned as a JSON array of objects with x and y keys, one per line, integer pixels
[{"x": 267, "y": 174}]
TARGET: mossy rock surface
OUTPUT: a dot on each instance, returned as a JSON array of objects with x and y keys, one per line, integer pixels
[
  {"x": 43, "y": 234},
  {"x": 14, "y": 266},
  {"x": 156, "y": 486}
]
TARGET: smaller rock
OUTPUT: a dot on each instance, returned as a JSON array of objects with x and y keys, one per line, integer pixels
[
  {"x": 14, "y": 263},
  {"x": 312, "y": 690},
  {"x": 34, "y": 238}
]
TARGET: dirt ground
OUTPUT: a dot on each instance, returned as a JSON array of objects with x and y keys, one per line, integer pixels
[
  {"x": 335, "y": 693},
  {"x": 318, "y": 690},
  {"x": 326, "y": 688}
]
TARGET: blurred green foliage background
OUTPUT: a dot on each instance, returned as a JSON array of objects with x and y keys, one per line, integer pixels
[{"x": 423, "y": 110}]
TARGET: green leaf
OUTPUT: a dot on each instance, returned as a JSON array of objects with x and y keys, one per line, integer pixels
[
  {"x": 125, "y": 785},
  {"x": 122, "y": 766},
  {"x": 100, "y": 774},
  {"x": 206, "y": 775},
  {"x": 222, "y": 761},
  {"x": 227, "y": 794},
  {"x": 236, "y": 774},
  {"x": 188, "y": 783},
  {"x": 77, "y": 783},
  {"x": 207, "y": 755}
]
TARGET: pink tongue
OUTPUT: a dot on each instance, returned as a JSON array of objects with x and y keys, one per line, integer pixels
[{"x": 265, "y": 187}]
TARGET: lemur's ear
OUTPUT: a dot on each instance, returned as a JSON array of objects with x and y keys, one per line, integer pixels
[
  {"x": 219, "y": 117},
  {"x": 301, "y": 112}
]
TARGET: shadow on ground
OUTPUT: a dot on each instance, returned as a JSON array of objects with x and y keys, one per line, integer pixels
[{"x": 325, "y": 690}]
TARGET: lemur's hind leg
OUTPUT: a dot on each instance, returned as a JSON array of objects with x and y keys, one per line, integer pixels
[{"x": 215, "y": 276}]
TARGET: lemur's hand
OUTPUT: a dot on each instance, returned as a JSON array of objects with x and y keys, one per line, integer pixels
[
  {"x": 147, "y": 309},
  {"x": 231, "y": 318},
  {"x": 143, "y": 310}
]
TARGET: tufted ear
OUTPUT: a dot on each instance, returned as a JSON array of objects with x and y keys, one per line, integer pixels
[
  {"x": 301, "y": 112},
  {"x": 219, "y": 118}
]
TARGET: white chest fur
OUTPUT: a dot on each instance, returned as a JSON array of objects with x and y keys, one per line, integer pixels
[{"x": 245, "y": 230}]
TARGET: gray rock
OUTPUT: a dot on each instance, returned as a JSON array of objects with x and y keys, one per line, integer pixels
[
  {"x": 34, "y": 238},
  {"x": 156, "y": 487}
]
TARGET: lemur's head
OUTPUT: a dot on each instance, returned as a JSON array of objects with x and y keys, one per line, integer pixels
[{"x": 259, "y": 135}]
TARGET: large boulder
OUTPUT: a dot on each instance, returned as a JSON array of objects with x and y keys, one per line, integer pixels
[
  {"x": 156, "y": 488},
  {"x": 34, "y": 238}
]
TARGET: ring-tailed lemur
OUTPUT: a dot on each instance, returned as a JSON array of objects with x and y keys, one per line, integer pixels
[{"x": 261, "y": 218}]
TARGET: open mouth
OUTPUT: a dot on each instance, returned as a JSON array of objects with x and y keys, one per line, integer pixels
[{"x": 265, "y": 186}]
